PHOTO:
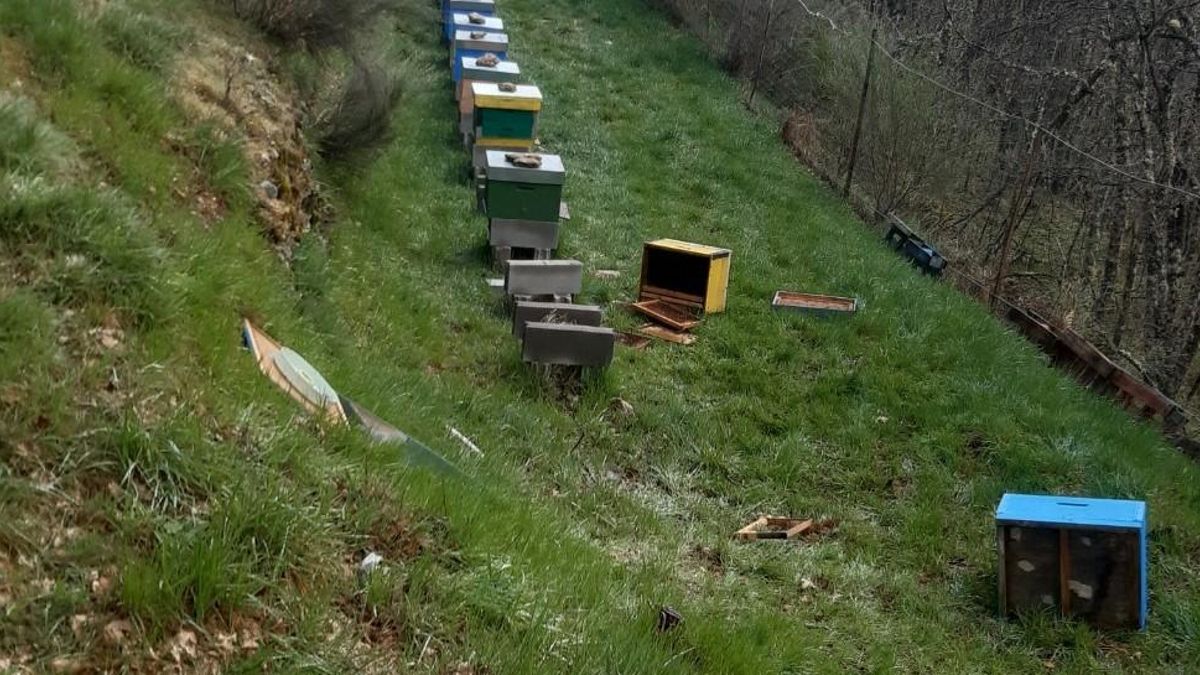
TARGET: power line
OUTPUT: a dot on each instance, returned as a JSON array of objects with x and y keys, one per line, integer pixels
[{"x": 1000, "y": 111}]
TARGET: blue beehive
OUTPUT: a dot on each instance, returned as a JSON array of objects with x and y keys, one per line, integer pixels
[
  {"x": 1084, "y": 558},
  {"x": 451, "y": 7},
  {"x": 474, "y": 44}
]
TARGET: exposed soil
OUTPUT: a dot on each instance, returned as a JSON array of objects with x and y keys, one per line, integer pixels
[{"x": 224, "y": 84}]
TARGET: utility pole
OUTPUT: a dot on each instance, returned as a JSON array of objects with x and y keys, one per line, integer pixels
[{"x": 862, "y": 105}]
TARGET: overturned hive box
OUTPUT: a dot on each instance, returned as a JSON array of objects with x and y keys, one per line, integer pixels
[
  {"x": 1080, "y": 557},
  {"x": 473, "y": 44},
  {"x": 505, "y": 115},
  {"x": 682, "y": 273},
  {"x": 523, "y": 193},
  {"x": 564, "y": 344},
  {"x": 921, "y": 254},
  {"x": 452, "y": 7},
  {"x": 553, "y": 312}
]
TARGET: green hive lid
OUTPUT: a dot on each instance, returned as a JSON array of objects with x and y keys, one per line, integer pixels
[
  {"x": 462, "y": 21},
  {"x": 490, "y": 42},
  {"x": 550, "y": 173},
  {"x": 504, "y": 71}
]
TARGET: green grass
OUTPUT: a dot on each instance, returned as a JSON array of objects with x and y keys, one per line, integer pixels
[{"x": 210, "y": 501}]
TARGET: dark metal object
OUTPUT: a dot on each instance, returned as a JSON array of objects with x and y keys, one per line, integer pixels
[
  {"x": 668, "y": 619},
  {"x": 916, "y": 249}
]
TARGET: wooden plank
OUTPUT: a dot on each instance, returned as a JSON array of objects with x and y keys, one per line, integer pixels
[
  {"x": 774, "y": 527},
  {"x": 1064, "y": 572},
  {"x": 663, "y": 333},
  {"x": 667, "y": 314},
  {"x": 648, "y": 292}
]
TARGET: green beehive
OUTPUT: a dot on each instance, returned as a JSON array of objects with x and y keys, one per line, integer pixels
[
  {"x": 524, "y": 192},
  {"x": 498, "y": 123},
  {"x": 505, "y": 112}
]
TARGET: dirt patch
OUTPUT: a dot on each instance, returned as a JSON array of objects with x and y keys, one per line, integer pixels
[
  {"x": 709, "y": 558},
  {"x": 398, "y": 540},
  {"x": 223, "y": 84},
  {"x": 15, "y": 69}
]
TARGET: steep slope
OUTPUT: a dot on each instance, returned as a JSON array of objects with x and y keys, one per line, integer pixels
[{"x": 172, "y": 509}]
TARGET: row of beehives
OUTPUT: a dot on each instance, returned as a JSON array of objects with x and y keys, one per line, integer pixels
[{"x": 520, "y": 191}]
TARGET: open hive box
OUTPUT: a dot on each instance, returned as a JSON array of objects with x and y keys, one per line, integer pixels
[
  {"x": 679, "y": 274},
  {"x": 812, "y": 303},
  {"x": 1079, "y": 557}
]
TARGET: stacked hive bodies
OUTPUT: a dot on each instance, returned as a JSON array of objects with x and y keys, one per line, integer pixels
[
  {"x": 521, "y": 193},
  {"x": 452, "y": 7}
]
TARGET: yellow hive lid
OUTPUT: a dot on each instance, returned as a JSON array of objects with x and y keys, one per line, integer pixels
[
  {"x": 489, "y": 95},
  {"x": 688, "y": 247}
]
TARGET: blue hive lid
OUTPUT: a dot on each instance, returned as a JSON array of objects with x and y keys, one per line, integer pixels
[{"x": 1072, "y": 511}]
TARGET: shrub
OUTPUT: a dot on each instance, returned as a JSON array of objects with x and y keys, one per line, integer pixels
[
  {"x": 145, "y": 41},
  {"x": 317, "y": 24},
  {"x": 100, "y": 249},
  {"x": 27, "y": 144},
  {"x": 361, "y": 118}
]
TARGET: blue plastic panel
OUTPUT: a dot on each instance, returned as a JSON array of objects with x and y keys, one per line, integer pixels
[{"x": 1072, "y": 511}]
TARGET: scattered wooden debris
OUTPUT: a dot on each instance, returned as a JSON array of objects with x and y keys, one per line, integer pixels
[
  {"x": 666, "y": 334},
  {"x": 632, "y": 341},
  {"x": 467, "y": 443},
  {"x": 673, "y": 316},
  {"x": 668, "y": 619},
  {"x": 774, "y": 527}
]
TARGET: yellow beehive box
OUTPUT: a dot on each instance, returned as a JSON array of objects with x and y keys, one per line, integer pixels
[
  {"x": 490, "y": 95},
  {"x": 679, "y": 272}
]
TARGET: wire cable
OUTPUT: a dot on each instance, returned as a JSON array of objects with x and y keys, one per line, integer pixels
[{"x": 1000, "y": 111}]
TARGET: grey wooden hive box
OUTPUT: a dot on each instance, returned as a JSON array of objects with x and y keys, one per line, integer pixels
[
  {"x": 546, "y": 312},
  {"x": 564, "y": 344},
  {"x": 490, "y": 42},
  {"x": 543, "y": 277},
  {"x": 540, "y": 234}
]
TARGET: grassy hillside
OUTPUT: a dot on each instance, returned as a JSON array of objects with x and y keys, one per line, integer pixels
[{"x": 165, "y": 505}]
